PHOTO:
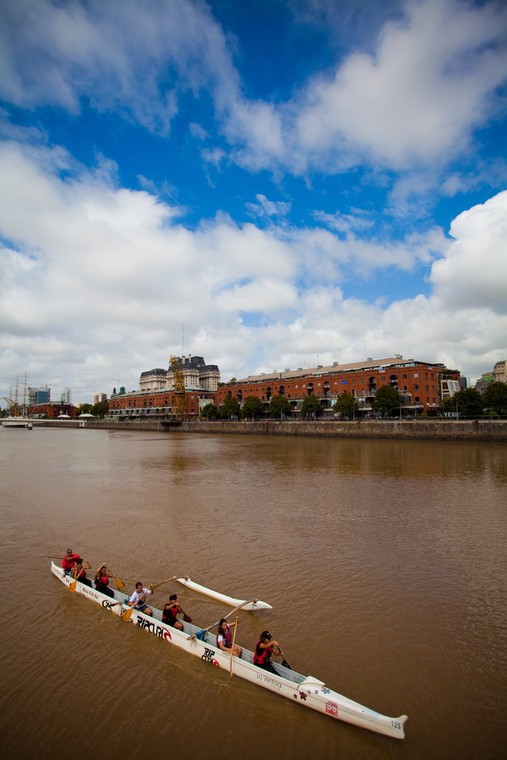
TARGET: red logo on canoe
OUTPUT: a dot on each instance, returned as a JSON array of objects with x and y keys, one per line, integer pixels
[{"x": 332, "y": 709}]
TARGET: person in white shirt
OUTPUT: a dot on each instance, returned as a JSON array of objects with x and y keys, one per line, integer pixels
[{"x": 138, "y": 599}]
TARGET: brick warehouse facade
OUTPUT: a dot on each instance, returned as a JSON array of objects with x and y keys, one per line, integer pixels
[
  {"x": 156, "y": 404},
  {"x": 159, "y": 399},
  {"x": 421, "y": 384}
]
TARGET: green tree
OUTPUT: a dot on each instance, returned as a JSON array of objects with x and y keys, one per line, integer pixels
[
  {"x": 209, "y": 411},
  {"x": 229, "y": 408},
  {"x": 311, "y": 406},
  {"x": 85, "y": 409},
  {"x": 345, "y": 405},
  {"x": 100, "y": 409},
  {"x": 468, "y": 403},
  {"x": 448, "y": 405},
  {"x": 252, "y": 408},
  {"x": 495, "y": 398},
  {"x": 387, "y": 400},
  {"x": 279, "y": 406}
]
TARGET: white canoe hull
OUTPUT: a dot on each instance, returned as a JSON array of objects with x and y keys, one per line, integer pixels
[
  {"x": 308, "y": 692},
  {"x": 256, "y": 604}
]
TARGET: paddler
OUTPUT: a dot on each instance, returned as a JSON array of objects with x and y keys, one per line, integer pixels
[
  {"x": 264, "y": 650},
  {"x": 69, "y": 561},
  {"x": 224, "y": 638},
  {"x": 138, "y": 599},
  {"x": 172, "y": 608}
]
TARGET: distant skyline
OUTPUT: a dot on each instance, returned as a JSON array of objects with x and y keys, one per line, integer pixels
[{"x": 265, "y": 183}]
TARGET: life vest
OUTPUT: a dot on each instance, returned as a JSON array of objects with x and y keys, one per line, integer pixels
[
  {"x": 261, "y": 656},
  {"x": 169, "y": 613},
  {"x": 101, "y": 580},
  {"x": 226, "y": 633}
]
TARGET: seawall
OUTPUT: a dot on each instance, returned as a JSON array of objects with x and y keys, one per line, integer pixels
[{"x": 421, "y": 429}]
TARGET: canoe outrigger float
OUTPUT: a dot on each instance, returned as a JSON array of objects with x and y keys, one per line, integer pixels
[
  {"x": 305, "y": 690},
  {"x": 255, "y": 604}
]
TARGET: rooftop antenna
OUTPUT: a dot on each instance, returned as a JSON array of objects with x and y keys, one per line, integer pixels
[{"x": 182, "y": 340}]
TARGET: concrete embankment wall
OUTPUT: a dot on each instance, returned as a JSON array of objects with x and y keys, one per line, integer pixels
[
  {"x": 473, "y": 430},
  {"x": 421, "y": 429}
]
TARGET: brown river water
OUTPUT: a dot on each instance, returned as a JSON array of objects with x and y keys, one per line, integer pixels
[{"x": 385, "y": 563}]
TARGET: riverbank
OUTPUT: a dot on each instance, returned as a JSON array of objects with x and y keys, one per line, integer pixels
[{"x": 420, "y": 429}]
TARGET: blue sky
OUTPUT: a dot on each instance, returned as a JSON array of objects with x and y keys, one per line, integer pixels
[{"x": 266, "y": 183}]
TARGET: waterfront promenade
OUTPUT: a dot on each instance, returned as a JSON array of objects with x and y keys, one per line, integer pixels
[{"x": 419, "y": 429}]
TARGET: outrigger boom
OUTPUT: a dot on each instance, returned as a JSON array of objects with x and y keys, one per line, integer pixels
[{"x": 306, "y": 691}]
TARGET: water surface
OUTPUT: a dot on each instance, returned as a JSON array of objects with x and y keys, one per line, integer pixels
[{"x": 385, "y": 563}]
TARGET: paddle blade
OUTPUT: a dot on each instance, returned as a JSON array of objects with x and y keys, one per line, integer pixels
[
  {"x": 119, "y": 584},
  {"x": 286, "y": 664},
  {"x": 72, "y": 586},
  {"x": 187, "y": 618},
  {"x": 127, "y": 614}
]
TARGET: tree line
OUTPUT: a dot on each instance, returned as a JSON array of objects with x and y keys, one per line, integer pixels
[{"x": 387, "y": 403}]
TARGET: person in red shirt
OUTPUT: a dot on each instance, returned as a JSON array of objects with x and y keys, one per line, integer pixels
[
  {"x": 171, "y": 609},
  {"x": 102, "y": 580},
  {"x": 264, "y": 650},
  {"x": 79, "y": 572},
  {"x": 69, "y": 561}
]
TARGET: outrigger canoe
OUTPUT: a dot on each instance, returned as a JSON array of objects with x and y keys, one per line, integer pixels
[
  {"x": 255, "y": 604},
  {"x": 305, "y": 690}
]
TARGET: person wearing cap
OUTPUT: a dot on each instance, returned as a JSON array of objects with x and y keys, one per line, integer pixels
[
  {"x": 102, "y": 580},
  {"x": 264, "y": 650},
  {"x": 69, "y": 561}
]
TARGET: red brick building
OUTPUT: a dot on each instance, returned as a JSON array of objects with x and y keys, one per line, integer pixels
[
  {"x": 51, "y": 410},
  {"x": 419, "y": 383},
  {"x": 157, "y": 405}
]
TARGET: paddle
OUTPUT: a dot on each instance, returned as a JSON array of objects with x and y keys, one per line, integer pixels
[
  {"x": 119, "y": 583},
  {"x": 156, "y": 585},
  {"x": 284, "y": 661},
  {"x": 233, "y": 642},
  {"x": 72, "y": 586},
  {"x": 224, "y": 617},
  {"x": 127, "y": 614}
]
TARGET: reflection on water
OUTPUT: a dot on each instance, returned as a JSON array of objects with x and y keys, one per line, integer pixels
[{"x": 384, "y": 562}]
